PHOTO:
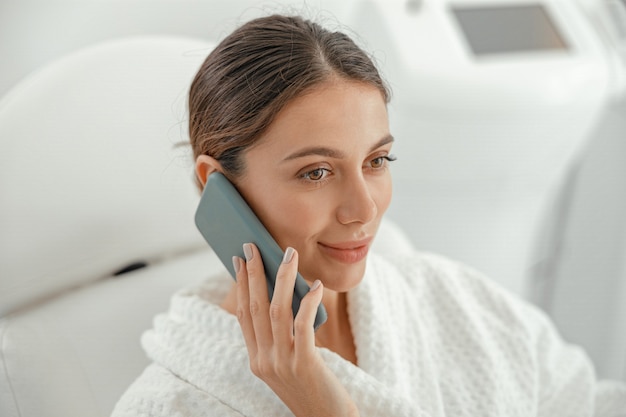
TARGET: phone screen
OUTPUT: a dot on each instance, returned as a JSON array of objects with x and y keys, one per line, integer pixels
[{"x": 227, "y": 222}]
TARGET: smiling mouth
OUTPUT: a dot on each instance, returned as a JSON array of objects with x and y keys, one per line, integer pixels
[{"x": 347, "y": 252}]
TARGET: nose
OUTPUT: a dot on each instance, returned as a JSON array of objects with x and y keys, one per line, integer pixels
[{"x": 357, "y": 203}]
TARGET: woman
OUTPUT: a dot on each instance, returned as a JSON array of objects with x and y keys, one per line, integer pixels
[{"x": 295, "y": 116}]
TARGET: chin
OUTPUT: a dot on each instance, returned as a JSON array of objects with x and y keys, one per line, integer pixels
[{"x": 342, "y": 278}]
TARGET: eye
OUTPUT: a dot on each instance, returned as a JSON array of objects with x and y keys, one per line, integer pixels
[
  {"x": 317, "y": 174},
  {"x": 381, "y": 161}
]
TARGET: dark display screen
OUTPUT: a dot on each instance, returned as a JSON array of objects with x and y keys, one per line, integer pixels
[{"x": 507, "y": 29}]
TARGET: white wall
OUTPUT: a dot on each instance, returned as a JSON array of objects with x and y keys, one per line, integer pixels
[{"x": 33, "y": 32}]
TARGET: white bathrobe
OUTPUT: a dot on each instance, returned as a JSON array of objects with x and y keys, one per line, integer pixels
[{"x": 433, "y": 338}]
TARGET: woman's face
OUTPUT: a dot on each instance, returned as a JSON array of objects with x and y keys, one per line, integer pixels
[{"x": 319, "y": 180}]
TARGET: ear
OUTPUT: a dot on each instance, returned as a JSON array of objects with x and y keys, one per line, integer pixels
[{"x": 205, "y": 165}]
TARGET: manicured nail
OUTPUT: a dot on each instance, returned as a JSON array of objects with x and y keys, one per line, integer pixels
[
  {"x": 236, "y": 264},
  {"x": 316, "y": 285},
  {"x": 247, "y": 250},
  {"x": 288, "y": 255}
]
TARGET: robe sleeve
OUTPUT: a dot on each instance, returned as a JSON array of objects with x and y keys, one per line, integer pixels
[
  {"x": 563, "y": 376},
  {"x": 159, "y": 393},
  {"x": 567, "y": 381}
]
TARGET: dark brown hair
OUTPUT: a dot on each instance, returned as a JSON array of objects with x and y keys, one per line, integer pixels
[{"x": 250, "y": 76}]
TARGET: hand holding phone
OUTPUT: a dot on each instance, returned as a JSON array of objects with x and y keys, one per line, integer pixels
[
  {"x": 227, "y": 222},
  {"x": 281, "y": 353}
]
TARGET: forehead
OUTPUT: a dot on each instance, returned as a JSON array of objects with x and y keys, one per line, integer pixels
[{"x": 338, "y": 113}]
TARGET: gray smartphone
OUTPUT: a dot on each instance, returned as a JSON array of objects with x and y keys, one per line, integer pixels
[{"x": 227, "y": 222}]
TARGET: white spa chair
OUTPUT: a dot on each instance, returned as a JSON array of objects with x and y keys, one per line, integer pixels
[{"x": 92, "y": 185}]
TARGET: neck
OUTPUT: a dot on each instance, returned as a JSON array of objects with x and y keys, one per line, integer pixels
[{"x": 336, "y": 333}]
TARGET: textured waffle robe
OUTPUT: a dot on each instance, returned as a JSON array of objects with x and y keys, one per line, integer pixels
[{"x": 433, "y": 338}]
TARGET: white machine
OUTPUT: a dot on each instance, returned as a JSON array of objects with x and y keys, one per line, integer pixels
[
  {"x": 582, "y": 283},
  {"x": 493, "y": 102}
]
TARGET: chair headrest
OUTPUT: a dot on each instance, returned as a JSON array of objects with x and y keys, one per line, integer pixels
[{"x": 90, "y": 177}]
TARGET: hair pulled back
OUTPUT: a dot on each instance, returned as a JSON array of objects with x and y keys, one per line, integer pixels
[{"x": 255, "y": 71}]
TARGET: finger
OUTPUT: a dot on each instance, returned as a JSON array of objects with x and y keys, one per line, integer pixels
[
  {"x": 281, "y": 313},
  {"x": 259, "y": 300},
  {"x": 304, "y": 333},
  {"x": 243, "y": 306}
]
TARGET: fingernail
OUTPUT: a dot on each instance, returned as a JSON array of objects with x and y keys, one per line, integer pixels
[
  {"x": 316, "y": 285},
  {"x": 288, "y": 255},
  {"x": 236, "y": 264},
  {"x": 247, "y": 250}
]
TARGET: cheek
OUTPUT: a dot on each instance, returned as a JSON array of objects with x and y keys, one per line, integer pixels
[
  {"x": 292, "y": 223},
  {"x": 289, "y": 218},
  {"x": 382, "y": 194}
]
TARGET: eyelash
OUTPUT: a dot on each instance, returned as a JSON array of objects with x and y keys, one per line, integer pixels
[{"x": 306, "y": 176}]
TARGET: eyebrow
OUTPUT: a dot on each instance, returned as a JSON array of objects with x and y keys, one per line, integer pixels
[{"x": 333, "y": 153}]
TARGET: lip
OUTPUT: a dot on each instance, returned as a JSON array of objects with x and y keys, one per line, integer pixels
[{"x": 347, "y": 252}]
